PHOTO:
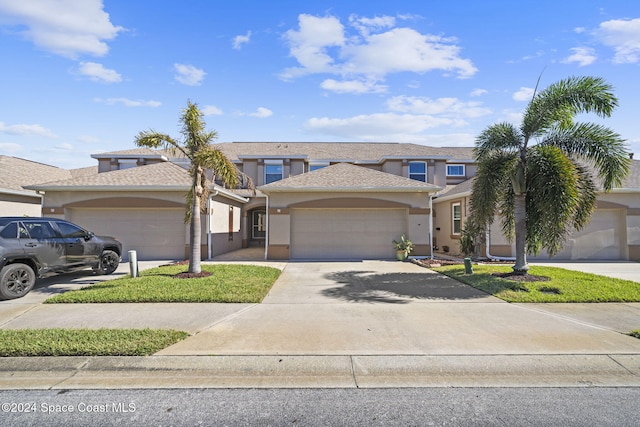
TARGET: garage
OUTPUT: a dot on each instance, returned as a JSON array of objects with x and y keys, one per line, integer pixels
[
  {"x": 346, "y": 233},
  {"x": 158, "y": 233},
  {"x": 602, "y": 239}
]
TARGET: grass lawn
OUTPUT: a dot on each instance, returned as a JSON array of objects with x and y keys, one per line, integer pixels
[
  {"x": 562, "y": 286},
  {"x": 228, "y": 284},
  {"x": 86, "y": 342}
]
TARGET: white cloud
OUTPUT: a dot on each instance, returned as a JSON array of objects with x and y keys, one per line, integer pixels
[
  {"x": 188, "y": 74},
  {"x": 582, "y": 55},
  {"x": 10, "y": 147},
  {"x": 368, "y": 25},
  {"x": 211, "y": 110},
  {"x": 448, "y": 107},
  {"x": 128, "y": 102},
  {"x": 322, "y": 45},
  {"x": 26, "y": 130},
  {"x": 378, "y": 127},
  {"x": 478, "y": 92},
  {"x": 579, "y": 30},
  {"x": 97, "y": 72},
  {"x": 65, "y": 27},
  {"x": 238, "y": 41},
  {"x": 262, "y": 113},
  {"x": 310, "y": 43},
  {"x": 352, "y": 86},
  {"x": 524, "y": 94},
  {"x": 624, "y": 36}
]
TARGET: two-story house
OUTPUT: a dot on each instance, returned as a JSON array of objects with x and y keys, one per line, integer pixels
[{"x": 312, "y": 201}]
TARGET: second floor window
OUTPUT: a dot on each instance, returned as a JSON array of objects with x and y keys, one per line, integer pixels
[
  {"x": 455, "y": 170},
  {"x": 272, "y": 172},
  {"x": 418, "y": 171}
]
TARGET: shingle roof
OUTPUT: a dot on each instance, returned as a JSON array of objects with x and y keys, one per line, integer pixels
[
  {"x": 347, "y": 177},
  {"x": 15, "y": 173},
  {"x": 336, "y": 151},
  {"x": 341, "y": 151},
  {"x": 159, "y": 176}
]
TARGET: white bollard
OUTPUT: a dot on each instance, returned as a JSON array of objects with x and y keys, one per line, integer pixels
[{"x": 133, "y": 263}]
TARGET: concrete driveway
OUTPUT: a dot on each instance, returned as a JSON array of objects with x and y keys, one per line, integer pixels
[{"x": 392, "y": 308}]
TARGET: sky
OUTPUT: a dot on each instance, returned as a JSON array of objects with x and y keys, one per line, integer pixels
[{"x": 80, "y": 77}]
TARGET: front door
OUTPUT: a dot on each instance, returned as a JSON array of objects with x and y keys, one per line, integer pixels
[{"x": 258, "y": 225}]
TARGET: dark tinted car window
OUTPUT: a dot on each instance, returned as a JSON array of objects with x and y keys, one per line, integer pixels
[
  {"x": 40, "y": 230},
  {"x": 10, "y": 231},
  {"x": 70, "y": 230}
]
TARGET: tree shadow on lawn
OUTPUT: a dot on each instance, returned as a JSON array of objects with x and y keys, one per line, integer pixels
[{"x": 397, "y": 288}]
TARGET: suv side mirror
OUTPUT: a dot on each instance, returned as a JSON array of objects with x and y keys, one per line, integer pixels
[{"x": 88, "y": 236}]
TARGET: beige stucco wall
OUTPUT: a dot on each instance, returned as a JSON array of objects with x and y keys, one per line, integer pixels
[
  {"x": 17, "y": 205},
  {"x": 443, "y": 224}
]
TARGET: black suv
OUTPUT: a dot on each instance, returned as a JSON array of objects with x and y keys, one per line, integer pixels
[{"x": 31, "y": 248}]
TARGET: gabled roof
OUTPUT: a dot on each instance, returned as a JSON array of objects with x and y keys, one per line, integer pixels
[
  {"x": 17, "y": 173},
  {"x": 155, "y": 177},
  {"x": 164, "y": 176},
  {"x": 345, "y": 177}
]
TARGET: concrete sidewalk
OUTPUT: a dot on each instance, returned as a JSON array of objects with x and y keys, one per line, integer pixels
[{"x": 345, "y": 324}]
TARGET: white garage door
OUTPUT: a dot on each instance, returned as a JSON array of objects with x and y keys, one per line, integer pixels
[
  {"x": 601, "y": 239},
  {"x": 158, "y": 234},
  {"x": 346, "y": 233}
]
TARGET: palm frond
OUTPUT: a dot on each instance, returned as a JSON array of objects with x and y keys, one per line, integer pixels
[
  {"x": 501, "y": 137},
  {"x": 552, "y": 199},
  {"x": 153, "y": 139},
  {"x": 596, "y": 144},
  {"x": 491, "y": 180},
  {"x": 560, "y": 102}
]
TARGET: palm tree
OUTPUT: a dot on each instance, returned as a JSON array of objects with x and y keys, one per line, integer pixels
[
  {"x": 540, "y": 176},
  {"x": 196, "y": 146}
]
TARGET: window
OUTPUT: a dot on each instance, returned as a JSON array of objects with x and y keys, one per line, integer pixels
[
  {"x": 456, "y": 218},
  {"x": 455, "y": 170},
  {"x": 272, "y": 171},
  {"x": 418, "y": 171},
  {"x": 127, "y": 163},
  {"x": 10, "y": 231},
  {"x": 71, "y": 231}
]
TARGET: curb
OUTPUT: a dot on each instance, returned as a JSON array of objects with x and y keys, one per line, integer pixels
[{"x": 285, "y": 371}]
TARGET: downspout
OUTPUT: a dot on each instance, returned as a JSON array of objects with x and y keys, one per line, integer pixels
[
  {"x": 430, "y": 226},
  {"x": 266, "y": 237},
  {"x": 488, "y": 245},
  {"x": 209, "y": 240}
]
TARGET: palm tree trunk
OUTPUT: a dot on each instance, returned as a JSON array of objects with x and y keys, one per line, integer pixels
[
  {"x": 195, "y": 227},
  {"x": 520, "y": 217}
]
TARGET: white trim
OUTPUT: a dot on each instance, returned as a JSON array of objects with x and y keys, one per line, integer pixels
[
  {"x": 453, "y": 218},
  {"x": 464, "y": 170}
]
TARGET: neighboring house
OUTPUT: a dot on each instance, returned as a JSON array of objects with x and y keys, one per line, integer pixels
[
  {"x": 15, "y": 173},
  {"x": 313, "y": 201},
  {"x": 612, "y": 234}
]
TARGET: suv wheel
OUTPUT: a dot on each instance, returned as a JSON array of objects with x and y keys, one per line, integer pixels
[
  {"x": 16, "y": 280},
  {"x": 109, "y": 261}
]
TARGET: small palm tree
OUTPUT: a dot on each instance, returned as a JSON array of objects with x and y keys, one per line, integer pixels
[
  {"x": 196, "y": 146},
  {"x": 540, "y": 175}
]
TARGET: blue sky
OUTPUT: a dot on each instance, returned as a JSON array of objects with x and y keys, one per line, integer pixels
[{"x": 85, "y": 76}]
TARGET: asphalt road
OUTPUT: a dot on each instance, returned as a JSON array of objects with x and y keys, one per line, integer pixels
[{"x": 324, "y": 407}]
